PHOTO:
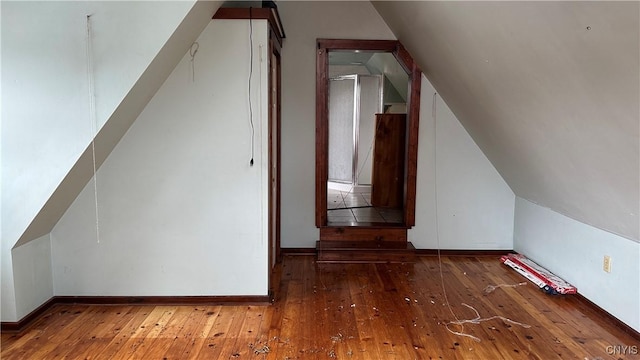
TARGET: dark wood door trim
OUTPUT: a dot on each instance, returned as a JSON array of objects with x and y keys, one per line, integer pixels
[
  {"x": 413, "y": 122},
  {"x": 389, "y": 161},
  {"x": 274, "y": 159},
  {"x": 324, "y": 46},
  {"x": 269, "y": 14},
  {"x": 322, "y": 134}
]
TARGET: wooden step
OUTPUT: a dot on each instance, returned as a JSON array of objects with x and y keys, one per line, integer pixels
[
  {"x": 364, "y": 233},
  {"x": 365, "y": 252}
]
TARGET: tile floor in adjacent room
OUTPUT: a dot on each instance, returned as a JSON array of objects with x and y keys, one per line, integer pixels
[{"x": 351, "y": 208}]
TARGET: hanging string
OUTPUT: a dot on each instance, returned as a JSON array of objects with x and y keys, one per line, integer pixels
[
  {"x": 93, "y": 120},
  {"x": 260, "y": 87},
  {"x": 250, "y": 77},
  {"x": 489, "y": 288},
  {"x": 435, "y": 189},
  {"x": 193, "y": 50}
]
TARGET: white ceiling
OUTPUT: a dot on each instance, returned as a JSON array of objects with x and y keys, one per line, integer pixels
[{"x": 548, "y": 90}]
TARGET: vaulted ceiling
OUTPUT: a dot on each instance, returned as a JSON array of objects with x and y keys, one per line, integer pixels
[
  {"x": 548, "y": 90},
  {"x": 119, "y": 122}
]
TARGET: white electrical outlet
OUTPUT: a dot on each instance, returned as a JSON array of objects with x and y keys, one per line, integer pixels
[{"x": 606, "y": 265}]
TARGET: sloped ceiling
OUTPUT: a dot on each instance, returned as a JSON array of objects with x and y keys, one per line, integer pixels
[
  {"x": 119, "y": 122},
  {"x": 548, "y": 90}
]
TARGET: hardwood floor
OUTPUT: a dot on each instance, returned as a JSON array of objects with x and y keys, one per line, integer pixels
[{"x": 342, "y": 311}]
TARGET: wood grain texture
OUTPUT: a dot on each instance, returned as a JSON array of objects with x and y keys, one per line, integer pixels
[
  {"x": 413, "y": 118},
  {"x": 28, "y": 319},
  {"x": 269, "y": 14},
  {"x": 338, "y": 311},
  {"x": 469, "y": 253},
  {"x": 363, "y": 233},
  {"x": 164, "y": 300},
  {"x": 365, "y": 252},
  {"x": 353, "y": 44},
  {"x": 322, "y": 134},
  {"x": 387, "y": 187}
]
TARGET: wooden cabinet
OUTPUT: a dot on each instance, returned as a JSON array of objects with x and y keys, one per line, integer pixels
[{"x": 388, "y": 161}]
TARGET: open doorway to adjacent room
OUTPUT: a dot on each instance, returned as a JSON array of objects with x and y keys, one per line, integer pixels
[
  {"x": 367, "y": 122},
  {"x": 367, "y": 118}
]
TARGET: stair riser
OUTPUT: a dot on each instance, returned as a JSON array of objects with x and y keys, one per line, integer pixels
[
  {"x": 337, "y": 259},
  {"x": 340, "y": 256},
  {"x": 362, "y": 234}
]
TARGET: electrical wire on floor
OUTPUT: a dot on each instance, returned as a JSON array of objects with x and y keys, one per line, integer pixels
[
  {"x": 490, "y": 288},
  {"x": 477, "y": 320}
]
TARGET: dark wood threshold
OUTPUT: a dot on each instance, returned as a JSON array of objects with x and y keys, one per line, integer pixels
[
  {"x": 434, "y": 252},
  {"x": 357, "y": 245},
  {"x": 349, "y": 252},
  {"x": 419, "y": 252},
  {"x": 17, "y": 326},
  {"x": 298, "y": 251},
  {"x": 363, "y": 233},
  {"x": 368, "y": 224}
]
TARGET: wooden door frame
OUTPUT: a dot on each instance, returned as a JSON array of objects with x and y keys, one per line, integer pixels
[
  {"x": 324, "y": 46},
  {"x": 276, "y": 36},
  {"x": 274, "y": 258}
]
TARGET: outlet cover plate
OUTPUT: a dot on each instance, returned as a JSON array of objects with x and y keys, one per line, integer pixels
[{"x": 606, "y": 265}]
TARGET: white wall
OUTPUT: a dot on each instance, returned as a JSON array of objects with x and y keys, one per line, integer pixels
[
  {"x": 112, "y": 24},
  {"x": 32, "y": 275},
  {"x": 475, "y": 206},
  {"x": 181, "y": 210},
  {"x": 45, "y": 86},
  {"x": 44, "y": 110},
  {"x": 304, "y": 22},
  {"x": 386, "y": 64},
  {"x": 575, "y": 252},
  {"x": 45, "y": 99}
]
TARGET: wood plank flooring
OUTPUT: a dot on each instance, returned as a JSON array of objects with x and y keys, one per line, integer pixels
[{"x": 339, "y": 311}]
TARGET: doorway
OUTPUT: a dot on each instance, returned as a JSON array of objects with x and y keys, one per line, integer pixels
[
  {"x": 356, "y": 136},
  {"x": 342, "y": 192}
]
